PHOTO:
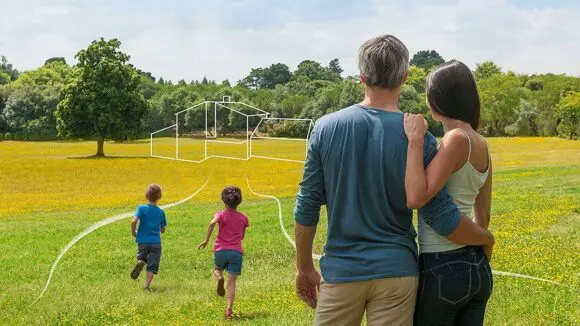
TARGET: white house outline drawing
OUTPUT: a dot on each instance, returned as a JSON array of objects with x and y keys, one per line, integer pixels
[{"x": 211, "y": 135}]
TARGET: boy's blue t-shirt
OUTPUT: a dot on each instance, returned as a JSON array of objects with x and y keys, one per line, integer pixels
[{"x": 151, "y": 220}]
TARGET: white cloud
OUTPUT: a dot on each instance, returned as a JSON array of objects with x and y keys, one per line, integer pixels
[{"x": 223, "y": 41}]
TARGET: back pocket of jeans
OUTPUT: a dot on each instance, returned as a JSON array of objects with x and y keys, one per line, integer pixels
[{"x": 454, "y": 281}]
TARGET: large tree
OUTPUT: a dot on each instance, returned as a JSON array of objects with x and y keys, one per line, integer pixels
[
  {"x": 102, "y": 100},
  {"x": 427, "y": 59}
]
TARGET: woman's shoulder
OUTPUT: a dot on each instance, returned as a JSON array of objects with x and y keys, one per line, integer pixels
[{"x": 456, "y": 138}]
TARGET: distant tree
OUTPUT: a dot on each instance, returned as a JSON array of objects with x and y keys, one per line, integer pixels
[
  {"x": 54, "y": 73},
  {"x": 182, "y": 82},
  {"x": 500, "y": 95},
  {"x": 8, "y": 68},
  {"x": 352, "y": 93},
  {"x": 225, "y": 83},
  {"x": 525, "y": 124},
  {"x": 412, "y": 102},
  {"x": 29, "y": 111},
  {"x": 417, "y": 78},
  {"x": 534, "y": 84},
  {"x": 161, "y": 81},
  {"x": 3, "y": 98},
  {"x": 55, "y": 59},
  {"x": 147, "y": 87},
  {"x": 4, "y": 78},
  {"x": 334, "y": 66},
  {"x": 145, "y": 74},
  {"x": 315, "y": 71},
  {"x": 485, "y": 70},
  {"x": 427, "y": 59},
  {"x": 276, "y": 74},
  {"x": 204, "y": 81},
  {"x": 568, "y": 115},
  {"x": 101, "y": 100}
]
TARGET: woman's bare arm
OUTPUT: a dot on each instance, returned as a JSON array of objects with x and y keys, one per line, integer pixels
[{"x": 422, "y": 184}]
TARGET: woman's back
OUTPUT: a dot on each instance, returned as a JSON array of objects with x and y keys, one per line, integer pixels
[{"x": 463, "y": 186}]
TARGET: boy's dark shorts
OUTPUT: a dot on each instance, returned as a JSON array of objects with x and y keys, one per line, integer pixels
[
  {"x": 229, "y": 260},
  {"x": 151, "y": 254}
]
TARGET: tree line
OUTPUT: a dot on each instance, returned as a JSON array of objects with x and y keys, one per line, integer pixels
[{"x": 104, "y": 97}]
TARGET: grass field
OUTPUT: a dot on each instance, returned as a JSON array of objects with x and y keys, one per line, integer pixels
[{"x": 50, "y": 193}]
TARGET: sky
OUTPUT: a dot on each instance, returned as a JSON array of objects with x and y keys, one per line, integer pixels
[{"x": 223, "y": 39}]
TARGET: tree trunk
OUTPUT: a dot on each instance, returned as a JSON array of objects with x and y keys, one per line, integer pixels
[{"x": 100, "y": 145}]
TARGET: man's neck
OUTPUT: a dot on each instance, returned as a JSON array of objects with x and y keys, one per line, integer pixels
[
  {"x": 153, "y": 203},
  {"x": 382, "y": 98}
]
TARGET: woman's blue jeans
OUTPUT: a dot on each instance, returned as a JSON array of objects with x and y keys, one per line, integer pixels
[{"x": 454, "y": 287}]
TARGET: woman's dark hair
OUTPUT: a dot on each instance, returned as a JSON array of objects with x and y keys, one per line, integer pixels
[
  {"x": 232, "y": 196},
  {"x": 452, "y": 92}
]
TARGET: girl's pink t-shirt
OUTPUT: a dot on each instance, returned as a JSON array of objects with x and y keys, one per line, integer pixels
[{"x": 232, "y": 227}]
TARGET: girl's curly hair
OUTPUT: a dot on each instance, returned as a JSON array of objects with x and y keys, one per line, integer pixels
[{"x": 232, "y": 196}]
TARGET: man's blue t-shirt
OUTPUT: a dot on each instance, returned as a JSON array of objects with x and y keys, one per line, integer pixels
[
  {"x": 356, "y": 167},
  {"x": 151, "y": 220}
]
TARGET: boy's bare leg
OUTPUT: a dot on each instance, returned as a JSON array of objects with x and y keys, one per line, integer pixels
[
  {"x": 148, "y": 280},
  {"x": 231, "y": 290},
  {"x": 219, "y": 276}
]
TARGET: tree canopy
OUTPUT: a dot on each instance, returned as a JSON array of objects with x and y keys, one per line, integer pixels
[
  {"x": 427, "y": 59},
  {"x": 102, "y": 99}
]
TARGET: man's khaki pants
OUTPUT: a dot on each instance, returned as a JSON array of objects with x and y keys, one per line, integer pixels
[{"x": 387, "y": 301}]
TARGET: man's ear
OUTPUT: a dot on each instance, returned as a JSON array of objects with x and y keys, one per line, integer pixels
[
  {"x": 406, "y": 77},
  {"x": 363, "y": 78}
]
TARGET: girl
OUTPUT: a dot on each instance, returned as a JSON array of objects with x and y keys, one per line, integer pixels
[
  {"x": 228, "y": 251},
  {"x": 455, "y": 281}
]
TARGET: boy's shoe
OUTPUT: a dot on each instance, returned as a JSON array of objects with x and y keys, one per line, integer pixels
[
  {"x": 137, "y": 270},
  {"x": 221, "y": 291},
  {"x": 229, "y": 313}
]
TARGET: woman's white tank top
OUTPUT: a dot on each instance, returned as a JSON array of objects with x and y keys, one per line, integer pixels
[{"x": 463, "y": 186}]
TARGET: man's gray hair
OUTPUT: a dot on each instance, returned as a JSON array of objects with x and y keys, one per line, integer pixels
[{"x": 383, "y": 61}]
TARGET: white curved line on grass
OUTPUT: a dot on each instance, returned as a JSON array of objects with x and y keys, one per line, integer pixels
[
  {"x": 315, "y": 256},
  {"x": 529, "y": 277},
  {"x": 102, "y": 223}
]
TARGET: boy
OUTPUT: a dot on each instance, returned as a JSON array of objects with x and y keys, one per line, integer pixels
[
  {"x": 228, "y": 251},
  {"x": 152, "y": 223}
]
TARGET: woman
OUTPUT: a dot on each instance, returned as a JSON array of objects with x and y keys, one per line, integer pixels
[{"x": 455, "y": 281}]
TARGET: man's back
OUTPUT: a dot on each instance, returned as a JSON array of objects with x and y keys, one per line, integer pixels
[
  {"x": 356, "y": 166},
  {"x": 362, "y": 153}
]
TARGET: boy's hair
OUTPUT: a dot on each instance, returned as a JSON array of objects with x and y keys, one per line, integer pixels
[
  {"x": 153, "y": 193},
  {"x": 232, "y": 197}
]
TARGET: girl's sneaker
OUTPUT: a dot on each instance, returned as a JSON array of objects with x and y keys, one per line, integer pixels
[
  {"x": 229, "y": 313},
  {"x": 221, "y": 291}
]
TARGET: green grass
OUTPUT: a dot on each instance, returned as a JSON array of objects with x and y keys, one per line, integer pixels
[{"x": 535, "y": 217}]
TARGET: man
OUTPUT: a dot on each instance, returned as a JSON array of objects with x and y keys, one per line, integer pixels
[{"x": 356, "y": 167}]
